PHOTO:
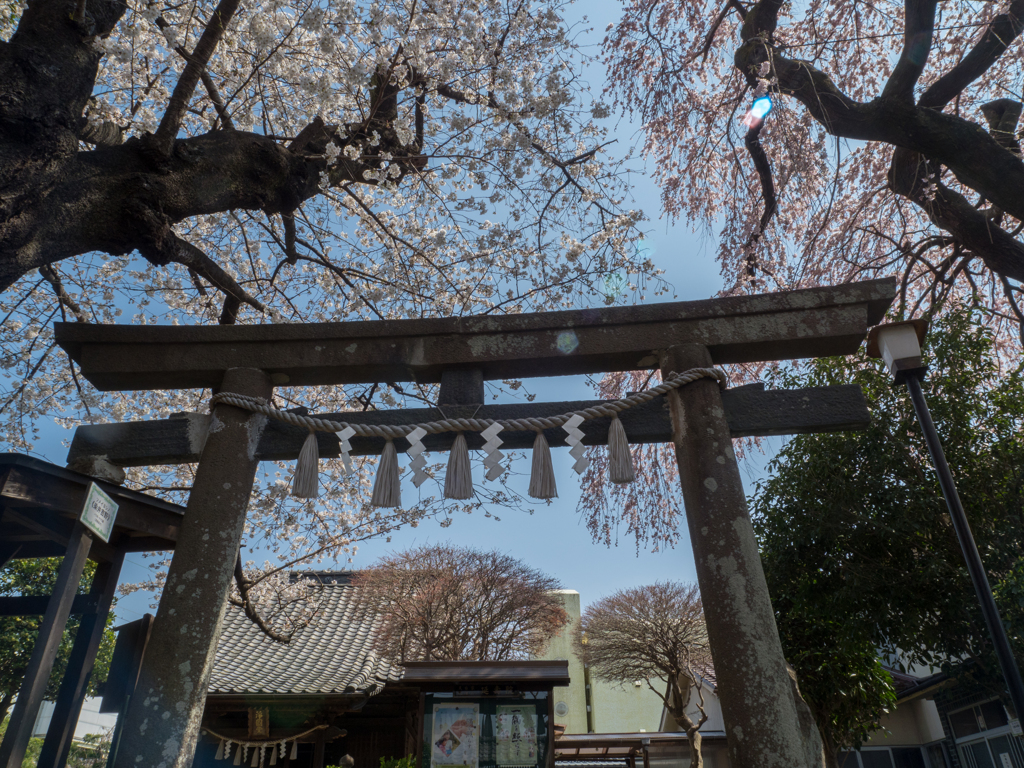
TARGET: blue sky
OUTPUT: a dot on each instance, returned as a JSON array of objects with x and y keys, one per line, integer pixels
[{"x": 554, "y": 539}]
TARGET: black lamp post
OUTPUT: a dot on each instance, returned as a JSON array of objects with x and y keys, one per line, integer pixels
[{"x": 899, "y": 344}]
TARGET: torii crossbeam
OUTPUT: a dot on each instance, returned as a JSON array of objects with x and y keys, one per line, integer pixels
[{"x": 765, "y": 724}]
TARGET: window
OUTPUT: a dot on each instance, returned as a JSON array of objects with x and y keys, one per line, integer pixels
[
  {"x": 908, "y": 757},
  {"x": 983, "y": 737},
  {"x": 997, "y": 751},
  {"x": 936, "y": 756},
  {"x": 992, "y": 714},
  {"x": 876, "y": 758},
  {"x": 982, "y": 717},
  {"x": 895, "y": 757}
]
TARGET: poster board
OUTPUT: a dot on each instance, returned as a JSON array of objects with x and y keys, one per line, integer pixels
[
  {"x": 454, "y": 738},
  {"x": 516, "y": 735}
]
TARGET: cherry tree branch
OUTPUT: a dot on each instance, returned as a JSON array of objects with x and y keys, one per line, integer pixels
[
  {"x": 975, "y": 157},
  {"x": 163, "y": 139},
  {"x": 752, "y": 142},
  {"x": 914, "y": 178},
  {"x": 53, "y": 278},
  {"x": 211, "y": 87},
  {"x": 998, "y": 36},
  {"x": 723, "y": 14},
  {"x": 919, "y": 22},
  {"x": 245, "y": 603},
  {"x": 167, "y": 247}
]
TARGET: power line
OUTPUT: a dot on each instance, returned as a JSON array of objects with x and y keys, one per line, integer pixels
[{"x": 876, "y": 37}]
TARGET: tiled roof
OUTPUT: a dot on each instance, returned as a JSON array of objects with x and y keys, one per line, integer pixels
[{"x": 332, "y": 655}]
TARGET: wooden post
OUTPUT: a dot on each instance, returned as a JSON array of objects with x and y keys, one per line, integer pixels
[
  {"x": 37, "y": 674},
  {"x": 550, "y": 761},
  {"x": 68, "y": 706},
  {"x": 318, "y": 749},
  {"x": 765, "y": 725},
  {"x": 162, "y": 725}
]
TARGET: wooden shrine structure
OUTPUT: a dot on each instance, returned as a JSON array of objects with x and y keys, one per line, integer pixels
[
  {"x": 39, "y": 517},
  {"x": 767, "y": 725}
]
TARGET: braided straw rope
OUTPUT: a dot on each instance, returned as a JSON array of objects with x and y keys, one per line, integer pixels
[
  {"x": 533, "y": 423},
  {"x": 263, "y": 742}
]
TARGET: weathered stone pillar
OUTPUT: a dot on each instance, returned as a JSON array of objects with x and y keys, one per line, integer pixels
[
  {"x": 765, "y": 725},
  {"x": 162, "y": 723}
]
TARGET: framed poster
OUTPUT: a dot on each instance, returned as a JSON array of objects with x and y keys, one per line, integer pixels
[
  {"x": 454, "y": 739},
  {"x": 517, "y": 734}
]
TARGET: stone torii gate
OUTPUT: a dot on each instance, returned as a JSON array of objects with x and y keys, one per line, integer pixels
[{"x": 766, "y": 724}]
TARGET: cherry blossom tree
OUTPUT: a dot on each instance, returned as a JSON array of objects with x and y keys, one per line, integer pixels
[
  {"x": 893, "y": 145},
  {"x": 248, "y": 161}
]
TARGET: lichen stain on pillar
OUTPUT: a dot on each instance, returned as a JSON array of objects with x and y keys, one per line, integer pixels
[{"x": 254, "y": 426}]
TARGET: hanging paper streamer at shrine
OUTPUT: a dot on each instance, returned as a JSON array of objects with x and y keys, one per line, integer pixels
[
  {"x": 387, "y": 487},
  {"x": 305, "y": 482},
  {"x": 264, "y": 751}
]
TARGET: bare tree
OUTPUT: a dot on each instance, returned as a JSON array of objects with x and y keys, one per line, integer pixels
[
  {"x": 452, "y": 603},
  {"x": 652, "y": 633}
]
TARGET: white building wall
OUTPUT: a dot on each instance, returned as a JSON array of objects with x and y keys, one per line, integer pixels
[
  {"x": 613, "y": 708},
  {"x": 573, "y": 698},
  {"x": 91, "y": 720},
  {"x": 624, "y": 708},
  {"x": 912, "y": 723}
]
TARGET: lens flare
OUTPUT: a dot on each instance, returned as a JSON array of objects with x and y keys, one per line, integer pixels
[
  {"x": 758, "y": 111},
  {"x": 614, "y": 284},
  {"x": 567, "y": 342}
]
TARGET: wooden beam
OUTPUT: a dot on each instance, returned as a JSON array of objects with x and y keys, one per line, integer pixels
[
  {"x": 32, "y": 549},
  {"x": 68, "y": 706},
  {"x": 129, "y": 648},
  {"x": 46, "y": 494},
  {"x": 751, "y": 411},
  {"x": 25, "y": 490},
  {"x": 35, "y": 605},
  {"x": 44, "y": 653},
  {"x": 8, "y": 551},
  {"x": 779, "y": 326},
  {"x": 57, "y": 528}
]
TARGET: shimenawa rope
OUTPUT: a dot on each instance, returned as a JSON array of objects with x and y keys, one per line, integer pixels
[{"x": 387, "y": 487}]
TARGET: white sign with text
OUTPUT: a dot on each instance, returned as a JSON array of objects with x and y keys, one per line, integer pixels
[{"x": 99, "y": 512}]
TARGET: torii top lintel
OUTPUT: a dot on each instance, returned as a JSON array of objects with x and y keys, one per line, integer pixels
[{"x": 812, "y": 322}]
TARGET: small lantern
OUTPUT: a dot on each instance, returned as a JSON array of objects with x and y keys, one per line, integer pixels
[{"x": 899, "y": 344}]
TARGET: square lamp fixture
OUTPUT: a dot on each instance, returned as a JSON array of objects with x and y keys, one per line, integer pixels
[{"x": 899, "y": 344}]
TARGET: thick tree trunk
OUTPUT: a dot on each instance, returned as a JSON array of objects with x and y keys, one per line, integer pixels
[
  {"x": 696, "y": 754},
  {"x": 58, "y": 202}
]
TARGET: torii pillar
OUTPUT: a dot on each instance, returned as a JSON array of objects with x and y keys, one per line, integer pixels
[
  {"x": 744, "y": 639},
  {"x": 767, "y": 726}
]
